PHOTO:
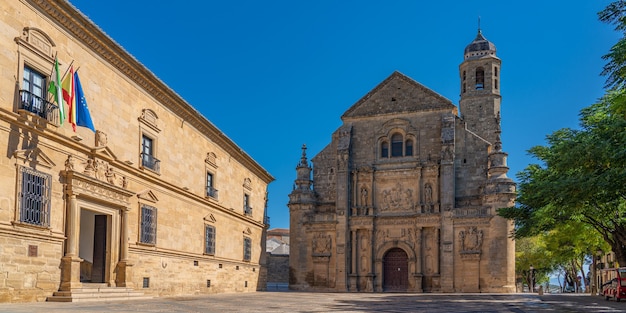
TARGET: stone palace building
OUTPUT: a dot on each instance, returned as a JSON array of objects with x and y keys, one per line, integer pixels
[
  {"x": 153, "y": 200},
  {"x": 404, "y": 197}
]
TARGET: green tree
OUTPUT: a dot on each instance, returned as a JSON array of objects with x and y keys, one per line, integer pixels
[{"x": 582, "y": 175}]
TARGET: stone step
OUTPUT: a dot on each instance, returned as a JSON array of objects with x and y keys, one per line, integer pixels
[{"x": 97, "y": 292}]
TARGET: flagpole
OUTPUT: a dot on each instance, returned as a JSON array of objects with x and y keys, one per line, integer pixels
[
  {"x": 56, "y": 60},
  {"x": 68, "y": 68}
]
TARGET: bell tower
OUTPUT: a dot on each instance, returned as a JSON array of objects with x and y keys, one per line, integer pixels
[{"x": 480, "y": 88}]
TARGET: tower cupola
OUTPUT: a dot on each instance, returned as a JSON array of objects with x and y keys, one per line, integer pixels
[{"x": 480, "y": 47}]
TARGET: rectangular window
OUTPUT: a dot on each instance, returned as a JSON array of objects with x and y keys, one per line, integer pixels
[
  {"x": 148, "y": 224},
  {"x": 147, "y": 154},
  {"x": 247, "y": 210},
  {"x": 33, "y": 94},
  {"x": 34, "y": 197},
  {"x": 210, "y": 190},
  {"x": 247, "y": 249},
  {"x": 209, "y": 239}
]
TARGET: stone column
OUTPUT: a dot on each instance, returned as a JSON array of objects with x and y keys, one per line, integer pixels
[
  {"x": 353, "y": 269},
  {"x": 123, "y": 277},
  {"x": 70, "y": 263}
]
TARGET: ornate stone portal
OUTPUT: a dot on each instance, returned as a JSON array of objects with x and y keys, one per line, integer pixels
[{"x": 404, "y": 198}]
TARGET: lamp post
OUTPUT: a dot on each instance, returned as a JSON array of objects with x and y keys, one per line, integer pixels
[{"x": 531, "y": 284}]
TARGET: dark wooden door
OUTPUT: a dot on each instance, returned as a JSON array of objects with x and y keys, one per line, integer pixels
[
  {"x": 99, "y": 249},
  {"x": 395, "y": 270}
]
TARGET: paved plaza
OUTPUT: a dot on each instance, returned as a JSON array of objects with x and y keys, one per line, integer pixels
[{"x": 282, "y": 302}]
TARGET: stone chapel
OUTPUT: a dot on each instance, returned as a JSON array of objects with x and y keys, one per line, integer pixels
[{"x": 405, "y": 196}]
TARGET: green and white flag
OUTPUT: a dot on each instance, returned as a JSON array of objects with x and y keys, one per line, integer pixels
[{"x": 55, "y": 90}]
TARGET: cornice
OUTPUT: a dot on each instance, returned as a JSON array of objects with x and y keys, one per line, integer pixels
[{"x": 89, "y": 34}]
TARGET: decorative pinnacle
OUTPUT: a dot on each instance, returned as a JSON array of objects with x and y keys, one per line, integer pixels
[{"x": 303, "y": 160}]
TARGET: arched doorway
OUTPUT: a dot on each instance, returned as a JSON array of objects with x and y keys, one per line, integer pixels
[{"x": 395, "y": 270}]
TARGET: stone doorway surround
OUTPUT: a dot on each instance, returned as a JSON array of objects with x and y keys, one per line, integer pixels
[
  {"x": 84, "y": 191},
  {"x": 414, "y": 274}
]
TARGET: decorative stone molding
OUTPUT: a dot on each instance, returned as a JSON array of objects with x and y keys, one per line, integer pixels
[
  {"x": 147, "y": 195},
  {"x": 247, "y": 183},
  {"x": 150, "y": 119},
  {"x": 211, "y": 159},
  {"x": 84, "y": 185},
  {"x": 33, "y": 157},
  {"x": 210, "y": 218},
  {"x": 35, "y": 40}
]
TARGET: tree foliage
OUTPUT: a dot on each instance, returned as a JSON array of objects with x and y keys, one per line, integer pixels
[{"x": 581, "y": 177}]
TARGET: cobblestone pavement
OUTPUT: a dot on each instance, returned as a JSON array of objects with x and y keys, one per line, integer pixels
[{"x": 282, "y": 302}]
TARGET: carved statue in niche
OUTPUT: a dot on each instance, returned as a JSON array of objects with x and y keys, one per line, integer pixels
[
  {"x": 471, "y": 240},
  {"x": 101, "y": 138},
  {"x": 364, "y": 243},
  {"x": 321, "y": 244},
  {"x": 364, "y": 265},
  {"x": 428, "y": 198},
  {"x": 428, "y": 241},
  {"x": 446, "y": 154},
  {"x": 69, "y": 163},
  {"x": 411, "y": 236},
  {"x": 364, "y": 196},
  {"x": 380, "y": 236}
]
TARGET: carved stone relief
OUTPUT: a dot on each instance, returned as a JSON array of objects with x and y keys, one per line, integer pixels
[
  {"x": 98, "y": 169},
  {"x": 101, "y": 138},
  {"x": 322, "y": 244},
  {"x": 471, "y": 240},
  {"x": 397, "y": 199}
]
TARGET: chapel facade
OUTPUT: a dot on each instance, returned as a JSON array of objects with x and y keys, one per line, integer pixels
[
  {"x": 153, "y": 201},
  {"x": 404, "y": 197}
]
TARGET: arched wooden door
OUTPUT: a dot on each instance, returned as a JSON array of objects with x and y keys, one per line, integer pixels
[{"x": 395, "y": 270}]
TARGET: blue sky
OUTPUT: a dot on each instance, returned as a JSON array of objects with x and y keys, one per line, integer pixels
[{"x": 273, "y": 75}]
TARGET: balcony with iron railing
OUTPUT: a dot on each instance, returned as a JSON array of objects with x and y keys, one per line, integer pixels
[
  {"x": 211, "y": 192},
  {"x": 39, "y": 106},
  {"x": 150, "y": 162},
  {"x": 247, "y": 210}
]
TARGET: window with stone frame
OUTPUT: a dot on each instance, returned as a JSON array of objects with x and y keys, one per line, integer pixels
[
  {"x": 148, "y": 225},
  {"x": 247, "y": 249},
  {"x": 384, "y": 149},
  {"x": 33, "y": 93},
  {"x": 396, "y": 145},
  {"x": 36, "y": 59},
  {"x": 247, "y": 210},
  {"x": 34, "y": 196},
  {"x": 400, "y": 146},
  {"x": 480, "y": 78},
  {"x": 210, "y": 186},
  {"x": 209, "y": 239},
  {"x": 148, "y": 159}
]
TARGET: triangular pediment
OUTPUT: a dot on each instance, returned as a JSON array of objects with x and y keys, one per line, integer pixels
[
  {"x": 34, "y": 157},
  {"x": 210, "y": 218},
  {"x": 104, "y": 152},
  {"x": 247, "y": 231},
  {"x": 398, "y": 94},
  {"x": 148, "y": 195}
]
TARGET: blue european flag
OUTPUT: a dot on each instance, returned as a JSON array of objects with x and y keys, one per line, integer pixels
[{"x": 83, "y": 118}]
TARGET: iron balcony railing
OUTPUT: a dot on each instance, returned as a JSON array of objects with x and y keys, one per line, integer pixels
[
  {"x": 211, "y": 192},
  {"x": 39, "y": 106},
  {"x": 150, "y": 162},
  {"x": 247, "y": 210}
]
